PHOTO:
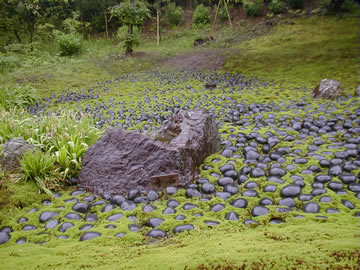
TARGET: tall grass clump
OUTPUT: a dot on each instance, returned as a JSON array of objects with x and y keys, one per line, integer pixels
[
  {"x": 18, "y": 97},
  {"x": 253, "y": 8}
]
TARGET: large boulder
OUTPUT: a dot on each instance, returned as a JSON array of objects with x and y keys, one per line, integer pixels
[
  {"x": 12, "y": 152},
  {"x": 123, "y": 160},
  {"x": 327, "y": 89}
]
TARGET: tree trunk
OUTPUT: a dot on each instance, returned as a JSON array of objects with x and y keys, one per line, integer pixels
[
  {"x": 158, "y": 27},
  {"x": 17, "y": 36},
  {"x": 106, "y": 25}
]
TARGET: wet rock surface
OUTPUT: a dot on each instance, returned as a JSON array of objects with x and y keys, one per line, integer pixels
[
  {"x": 12, "y": 152},
  {"x": 279, "y": 157}
]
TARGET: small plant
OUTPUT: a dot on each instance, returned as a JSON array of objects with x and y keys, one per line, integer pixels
[
  {"x": 128, "y": 41},
  {"x": 174, "y": 14},
  {"x": 253, "y": 8},
  {"x": 40, "y": 168},
  {"x": 276, "y": 7},
  {"x": 70, "y": 44},
  {"x": 201, "y": 15}
]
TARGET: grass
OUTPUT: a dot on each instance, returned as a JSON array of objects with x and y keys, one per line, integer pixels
[{"x": 303, "y": 53}]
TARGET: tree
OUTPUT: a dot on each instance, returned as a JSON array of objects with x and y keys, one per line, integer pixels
[{"x": 132, "y": 14}]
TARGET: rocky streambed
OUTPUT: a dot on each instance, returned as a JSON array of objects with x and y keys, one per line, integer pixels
[{"x": 284, "y": 157}]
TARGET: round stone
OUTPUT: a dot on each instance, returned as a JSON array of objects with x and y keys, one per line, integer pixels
[
  {"x": 239, "y": 203},
  {"x": 153, "y": 195},
  {"x": 231, "y": 188},
  {"x": 289, "y": 202},
  {"x": 251, "y": 184},
  {"x": 115, "y": 217},
  {"x": 89, "y": 198},
  {"x": 127, "y": 205},
  {"x": 172, "y": 203},
  {"x": 335, "y": 186},
  {"x": 169, "y": 211},
  {"x": 117, "y": 199},
  {"x": 72, "y": 216},
  {"x": 217, "y": 207},
  {"x": 211, "y": 223},
  {"x": 277, "y": 172},
  {"x": 154, "y": 222},
  {"x": 77, "y": 193},
  {"x": 22, "y": 220},
  {"x": 290, "y": 191},
  {"x": 223, "y": 181},
  {"x": 232, "y": 216},
  {"x": 275, "y": 179},
  {"x": 72, "y": 200},
  {"x": 180, "y": 217},
  {"x": 348, "y": 204},
  {"x": 248, "y": 222},
  {"x": 331, "y": 210},
  {"x": 208, "y": 188},
  {"x": 259, "y": 211},
  {"x": 185, "y": 227},
  {"x": 266, "y": 201},
  {"x": 133, "y": 193},
  {"x": 335, "y": 170},
  {"x": 52, "y": 224},
  {"x": 257, "y": 172},
  {"x": 90, "y": 235},
  {"x": 45, "y": 216},
  {"x": 29, "y": 228},
  {"x": 65, "y": 226},
  {"x": 226, "y": 167},
  {"x": 81, "y": 207},
  {"x": 171, "y": 190},
  {"x": 110, "y": 226},
  {"x": 223, "y": 195},
  {"x": 133, "y": 228},
  {"x": 188, "y": 206},
  {"x": 325, "y": 199},
  {"x": 156, "y": 233},
  {"x": 354, "y": 187},
  {"x": 232, "y": 174},
  {"x": 347, "y": 178},
  {"x": 4, "y": 237},
  {"x": 318, "y": 191},
  {"x": 141, "y": 199},
  {"x": 322, "y": 178},
  {"x": 149, "y": 208},
  {"x": 311, "y": 207},
  {"x": 191, "y": 192},
  {"x": 86, "y": 227},
  {"x": 21, "y": 241},
  {"x": 119, "y": 235},
  {"x": 250, "y": 193},
  {"x": 276, "y": 221},
  {"x": 91, "y": 217},
  {"x": 305, "y": 197},
  {"x": 270, "y": 188}
]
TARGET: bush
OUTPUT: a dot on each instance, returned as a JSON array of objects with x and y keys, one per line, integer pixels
[
  {"x": 253, "y": 8},
  {"x": 174, "y": 14},
  {"x": 222, "y": 14},
  {"x": 128, "y": 41},
  {"x": 8, "y": 62},
  {"x": 201, "y": 15},
  {"x": 70, "y": 44},
  {"x": 276, "y": 7}
]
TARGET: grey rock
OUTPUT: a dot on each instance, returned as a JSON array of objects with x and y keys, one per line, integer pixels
[
  {"x": 12, "y": 152},
  {"x": 217, "y": 207},
  {"x": 52, "y": 224},
  {"x": 185, "y": 227},
  {"x": 4, "y": 237},
  {"x": 311, "y": 207},
  {"x": 327, "y": 89},
  {"x": 90, "y": 235},
  {"x": 290, "y": 191},
  {"x": 29, "y": 227},
  {"x": 289, "y": 202},
  {"x": 259, "y": 211},
  {"x": 72, "y": 216},
  {"x": 81, "y": 207},
  {"x": 156, "y": 233},
  {"x": 115, "y": 217},
  {"x": 154, "y": 222},
  {"x": 239, "y": 203},
  {"x": 65, "y": 226},
  {"x": 232, "y": 216},
  {"x": 45, "y": 216}
]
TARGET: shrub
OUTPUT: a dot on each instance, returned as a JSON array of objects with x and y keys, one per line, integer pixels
[
  {"x": 253, "y": 8},
  {"x": 70, "y": 44},
  {"x": 276, "y": 7},
  {"x": 18, "y": 48},
  {"x": 174, "y": 14},
  {"x": 201, "y": 15},
  {"x": 222, "y": 14},
  {"x": 8, "y": 62},
  {"x": 128, "y": 41}
]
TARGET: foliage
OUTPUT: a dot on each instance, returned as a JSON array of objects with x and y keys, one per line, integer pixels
[
  {"x": 18, "y": 97},
  {"x": 61, "y": 139},
  {"x": 253, "y": 8},
  {"x": 130, "y": 14},
  {"x": 201, "y": 15},
  {"x": 70, "y": 44},
  {"x": 8, "y": 62},
  {"x": 127, "y": 41},
  {"x": 276, "y": 6},
  {"x": 40, "y": 168},
  {"x": 222, "y": 14},
  {"x": 174, "y": 14}
]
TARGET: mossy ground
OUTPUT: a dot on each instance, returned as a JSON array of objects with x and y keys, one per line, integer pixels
[{"x": 292, "y": 55}]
